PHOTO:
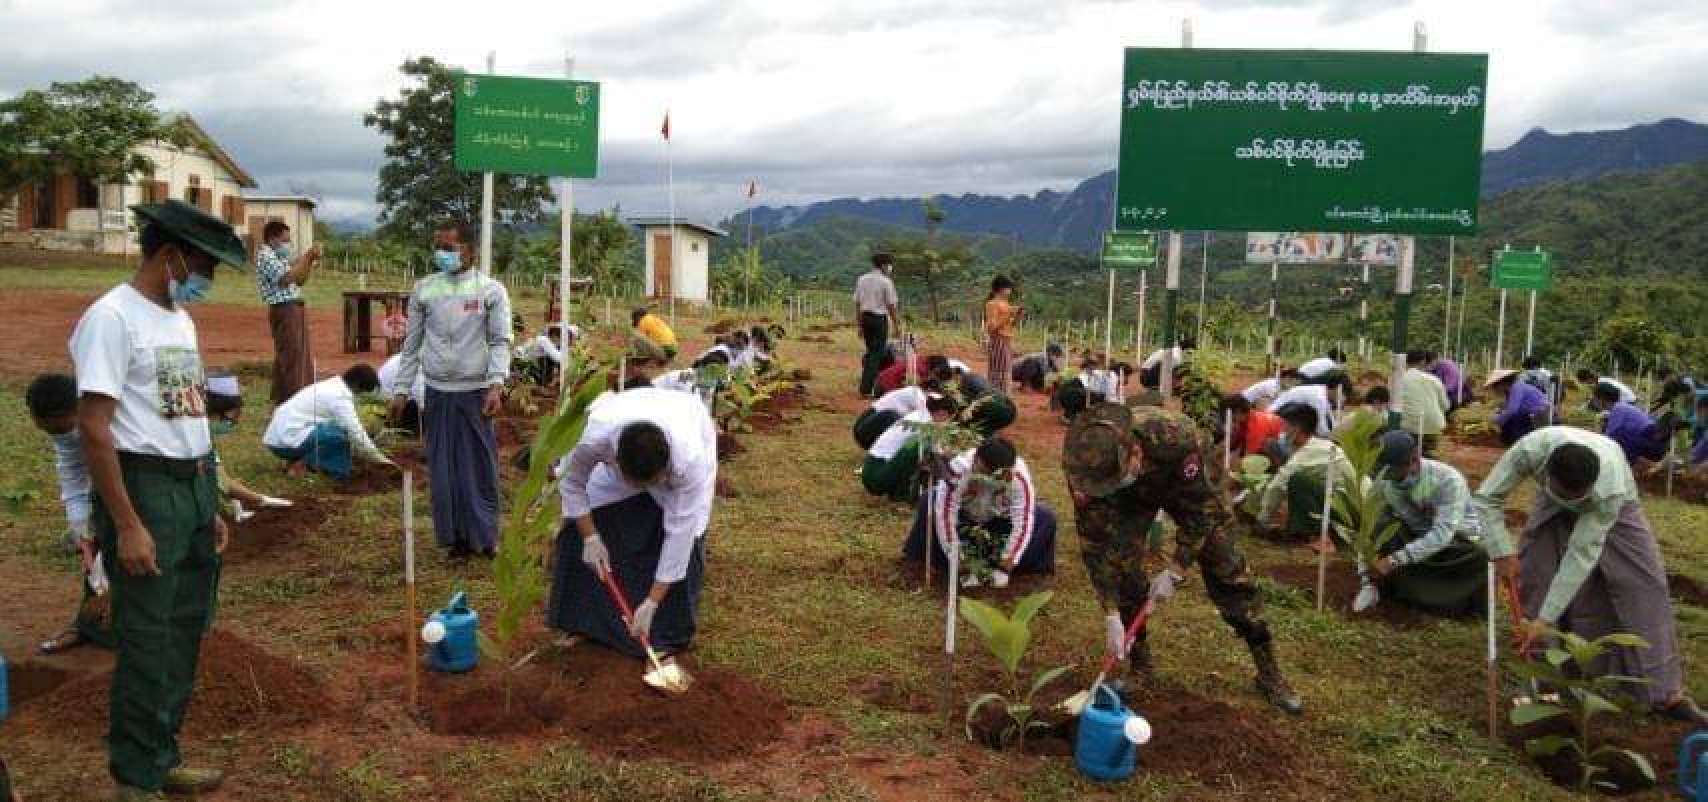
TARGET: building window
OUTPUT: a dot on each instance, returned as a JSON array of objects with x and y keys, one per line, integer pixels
[
  {"x": 88, "y": 194},
  {"x": 693, "y": 247}
]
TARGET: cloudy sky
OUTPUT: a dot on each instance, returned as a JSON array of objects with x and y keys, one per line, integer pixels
[{"x": 812, "y": 98}]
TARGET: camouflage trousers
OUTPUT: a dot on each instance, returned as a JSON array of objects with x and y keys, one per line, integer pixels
[{"x": 1113, "y": 541}]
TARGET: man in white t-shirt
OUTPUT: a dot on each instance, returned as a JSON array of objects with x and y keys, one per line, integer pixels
[
  {"x": 319, "y": 430},
  {"x": 409, "y": 418},
  {"x": 1262, "y": 393},
  {"x": 143, "y": 414},
  {"x": 1320, "y": 397}
]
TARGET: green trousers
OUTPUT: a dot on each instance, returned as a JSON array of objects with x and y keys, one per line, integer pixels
[
  {"x": 893, "y": 477},
  {"x": 158, "y": 621}
]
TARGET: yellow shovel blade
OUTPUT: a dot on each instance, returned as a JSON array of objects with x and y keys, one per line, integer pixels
[
  {"x": 668, "y": 677},
  {"x": 1075, "y": 704}
]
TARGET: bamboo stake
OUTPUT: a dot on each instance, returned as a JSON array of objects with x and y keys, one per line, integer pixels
[
  {"x": 412, "y": 665},
  {"x": 1493, "y": 692},
  {"x": 948, "y": 610}
]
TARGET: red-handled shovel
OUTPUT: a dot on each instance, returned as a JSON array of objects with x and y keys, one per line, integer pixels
[
  {"x": 1076, "y": 703},
  {"x": 667, "y": 677}
]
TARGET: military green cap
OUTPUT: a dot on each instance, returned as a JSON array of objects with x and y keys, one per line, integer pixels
[
  {"x": 1094, "y": 453},
  {"x": 207, "y": 233}
]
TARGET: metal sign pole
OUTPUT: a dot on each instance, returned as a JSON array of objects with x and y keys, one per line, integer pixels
[
  {"x": 486, "y": 197},
  {"x": 1500, "y": 333},
  {"x": 1530, "y": 327}
]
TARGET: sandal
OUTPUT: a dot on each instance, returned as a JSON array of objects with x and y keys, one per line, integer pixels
[{"x": 63, "y": 642}]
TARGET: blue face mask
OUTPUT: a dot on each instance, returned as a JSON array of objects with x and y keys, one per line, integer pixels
[
  {"x": 448, "y": 261},
  {"x": 192, "y": 290},
  {"x": 283, "y": 249}
]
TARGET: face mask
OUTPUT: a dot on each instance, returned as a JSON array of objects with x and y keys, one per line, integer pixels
[
  {"x": 222, "y": 427},
  {"x": 1570, "y": 505},
  {"x": 447, "y": 261},
  {"x": 283, "y": 249},
  {"x": 193, "y": 289}
]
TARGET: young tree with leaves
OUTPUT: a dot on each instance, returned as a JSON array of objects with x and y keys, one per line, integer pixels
[{"x": 420, "y": 185}]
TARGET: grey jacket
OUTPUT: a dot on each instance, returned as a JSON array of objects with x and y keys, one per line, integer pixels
[{"x": 459, "y": 333}]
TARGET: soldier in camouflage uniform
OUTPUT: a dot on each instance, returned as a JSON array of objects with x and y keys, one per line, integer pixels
[{"x": 1124, "y": 465}]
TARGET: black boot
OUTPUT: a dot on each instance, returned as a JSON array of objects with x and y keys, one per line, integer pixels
[{"x": 1271, "y": 684}]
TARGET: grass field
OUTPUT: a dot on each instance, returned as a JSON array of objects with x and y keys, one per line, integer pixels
[{"x": 804, "y": 598}]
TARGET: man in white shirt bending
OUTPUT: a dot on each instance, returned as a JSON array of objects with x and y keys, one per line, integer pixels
[{"x": 319, "y": 430}]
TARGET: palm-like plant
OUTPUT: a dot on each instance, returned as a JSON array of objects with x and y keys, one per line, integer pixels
[
  {"x": 1360, "y": 517},
  {"x": 1583, "y": 698},
  {"x": 1008, "y": 637}
]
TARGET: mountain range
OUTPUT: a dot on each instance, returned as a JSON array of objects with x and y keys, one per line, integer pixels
[{"x": 1076, "y": 220}]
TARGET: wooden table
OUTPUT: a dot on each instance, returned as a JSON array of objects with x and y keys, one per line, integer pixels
[{"x": 359, "y": 331}]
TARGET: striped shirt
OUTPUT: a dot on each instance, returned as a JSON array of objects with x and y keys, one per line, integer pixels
[{"x": 982, "y": 500}]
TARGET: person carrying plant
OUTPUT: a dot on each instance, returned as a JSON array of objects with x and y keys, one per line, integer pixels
[
  {"x": 653, "y": 327},
  {"x": 1525, "y": 408},
  {"x": 893, "y": 461},
  {"x": 1424, "y": 403},
  {"x": 1000, "y": 315},
  {"x": 637, "y": 499},
  {"x": 986, "y": 503},
  {"x": 319, "y": 429},
  {"x": 52, "y": 401},
  {"x": 1435, "y": 559},
  {"x": 875, "y": 309},
  {"x": 1123, "y": 466},
  {"x": 142, "y": 413},
  {"x": 459, "y": 336},
  {"x": 1302, "y": 478},
  {"x": 1589, "y": 562}
]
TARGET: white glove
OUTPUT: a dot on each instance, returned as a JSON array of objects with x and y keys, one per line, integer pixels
[
  {"x": 971, "y": 580},
  {"x": 1164, "y": 584},
  {"x": 642, "y": 626},
  {"x": 98, "y": 576},
  {"x": 1115, "y": 635},
  {"x": 239, "y": 514},
  {"x": 999, "y": 579},
  {"x": 595, "y": 555},
  {"x": 1367, "y": 598},
  {"x": 269, "y": 502}
]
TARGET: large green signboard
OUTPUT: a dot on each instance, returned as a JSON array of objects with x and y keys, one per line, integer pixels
[
  {"x": 1301, "y": 140},
  {"x": 1129, "y": 250},
  {"x": 1522, "y": 270},
  {"x": 527, "y": 126}
]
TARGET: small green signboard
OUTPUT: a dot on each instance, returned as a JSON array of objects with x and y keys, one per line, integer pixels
[
  {"x": 1522, "y": 270},
  {"x": 527, "y": 126},
  {"x": 1129, "y": 250}
]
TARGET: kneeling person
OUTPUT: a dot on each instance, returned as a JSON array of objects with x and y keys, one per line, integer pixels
[
  {"x": 893, "y": 459},
  {"x": 988, "y": 488},
  {"x": 1435, "y": 560},
  {"x": 319, "y": 430},
  {"x": 637, "y": 498}
]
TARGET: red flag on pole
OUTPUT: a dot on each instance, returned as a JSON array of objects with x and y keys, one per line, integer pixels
[
  {"x": 666, "y": 130},
  {"x": 752, "y": 189}
]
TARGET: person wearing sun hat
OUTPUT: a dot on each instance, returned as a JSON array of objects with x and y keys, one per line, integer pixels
[
  {"x": 143, "y": 414},
  {"x": 1525, "y": 407},
  {"x": 1126, "y": 464}
]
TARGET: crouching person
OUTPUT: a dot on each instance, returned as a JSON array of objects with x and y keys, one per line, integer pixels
[
  {"x": 319, "y": 430},
  {"x": 637, "y": 498},
  {"x": 1435, "y": 559},
  {"x": 988, "y": 488},
  {"x": 893, "y": 460}
]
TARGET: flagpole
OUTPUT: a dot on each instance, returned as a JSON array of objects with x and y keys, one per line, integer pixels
[
  {"x": 670, "y": 187},
  {"x": 747, "y": 281}
]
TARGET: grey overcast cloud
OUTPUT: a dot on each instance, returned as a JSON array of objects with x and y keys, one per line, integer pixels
[{"x": 811, "y": 99}]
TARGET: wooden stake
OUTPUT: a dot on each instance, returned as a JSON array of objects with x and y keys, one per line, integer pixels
[
  {"x": 949, "y": 621},
  {"x": 1493, "y": 652},
  {"x": 411, "y": 668}
]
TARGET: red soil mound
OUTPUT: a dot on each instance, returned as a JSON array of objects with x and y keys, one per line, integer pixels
[
  {"x": 596, "y": 696},
  {"x": 271, "y": 529},
  {"x": 238, "y": 687}
]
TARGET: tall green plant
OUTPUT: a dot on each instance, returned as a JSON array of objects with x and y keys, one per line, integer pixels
[
  {"x": 1008, "y": 637},
  {"x": 1359, "y": 509},
  {"x": 518, "y": 571},
  {"x": 1582, "y": 697}
]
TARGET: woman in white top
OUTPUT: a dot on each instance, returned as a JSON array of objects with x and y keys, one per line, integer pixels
[{"x": 893, "y": 459}]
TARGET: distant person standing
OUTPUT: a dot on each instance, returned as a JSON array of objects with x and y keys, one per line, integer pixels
[
  {"x": 1000, "y": 315},
  {"x": 280, "y": 279},
  {"x": 459, "y": 336},
  {"x": 143, "y": 414},
  {"x": 875, "y": 305}
]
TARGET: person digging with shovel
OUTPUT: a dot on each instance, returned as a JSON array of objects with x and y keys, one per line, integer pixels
[
  {"x": 1123, "y": 466},
  {"x": 637, "y": 498}
]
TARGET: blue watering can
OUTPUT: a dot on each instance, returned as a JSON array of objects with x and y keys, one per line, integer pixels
[
  {"x": 4, "y": 694},
  {"x": 452, "y": 635},
  {"x": 1693, "y": 767},
  {"x": 1109, "y": 735}
]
